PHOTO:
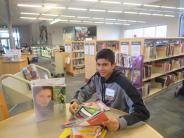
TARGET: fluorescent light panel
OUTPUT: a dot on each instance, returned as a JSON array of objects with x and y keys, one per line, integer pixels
[
  {"x": 77, "y": 9},
  {"x": 47, "y": 19},
  {"x": 131, "y": 12},
  {"x": 131, "y": 4},
  {"x": 29, "y": 18},
  {"x": 29, "y": 5},
  {"x": 68, "y": 16},
  {"x": 167, "y": 7},
  {"x": 76, "y": 21},
  {"x": 89, "y": 0},
  {"x": 82, "y": 17},
  {"x": 53, "y": 7},
  {"x": 154, "y": 6},
  {"x": 97, "y": 10},
  {"x": 114, "y": 11},
  {"x": 29, "y": 13},
  {"x": 169, "y": 15},
  {"x": 98, "y": 18},
  {"x": 110, "y": 2},
  {"x": 143, "y": 13},
  {"x": 110, "y": 19},
  {"x": 54, "y": 15}
]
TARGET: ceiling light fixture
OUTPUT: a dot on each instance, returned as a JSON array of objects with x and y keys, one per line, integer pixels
[
  {"x": 131, "y": 12},
  {"x": 167, "y": 15},
  {"x": 126, "y": 24},
  {"x": 180, "y": 8},
  {"x": 114, "y": 11},
  {"x": 110, "y": 2},
  {"x": 55, "y": 21},
  {"x": 82, "y": 17},
  {"x": 131, "y": 4},
  {"x": 47, "y": 19},
  {"x": 154, "y": 6},
  {"x": 143, "y": 13},
  {"x": 156, "y": 14},
  {"x": 77, "y": 9},
  {"x": 97, "y": 10},
  {"x": 98, "y": 18},
  {"x": 87, "y": 21},
  {"x": 68, "y": 16},
  {"x": 29, "y": 13},
  {"x": 29, "y": 5},
  {"x": 29, "y": 18},
  {"x": 99, "y": 22},
  {"x": 53, "y": 7},
  {"x": 109, "y": 23},
  {"x": 76, "y": 21},
  {"x": 167, "y": 7},
  {"x": 89, "y": 0},
  {"x": 110, "y": 19},
  {"x": 54, "y": 15}
]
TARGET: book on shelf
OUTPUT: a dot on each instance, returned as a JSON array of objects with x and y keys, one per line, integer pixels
[
  {"x": 150, "y": 52},
  {"x": 146, "y": 89},
  {"x": 113, "y": 45},
  {"x": 77, "y": 46},
  {"x": 167, "y": 80},
  {"x": 147, "y": 70},
  {"x": 161, "y": 51}
]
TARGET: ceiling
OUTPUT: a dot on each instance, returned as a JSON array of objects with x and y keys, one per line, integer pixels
[{"x": 114, "y": 13}]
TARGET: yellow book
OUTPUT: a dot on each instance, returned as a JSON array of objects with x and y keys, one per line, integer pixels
[{"x": 67, "y": 133}]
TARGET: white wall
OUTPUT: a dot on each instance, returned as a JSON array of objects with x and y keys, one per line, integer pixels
[{"x": 108, "y": 32}]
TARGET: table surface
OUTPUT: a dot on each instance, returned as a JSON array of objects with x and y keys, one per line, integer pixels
[{"x": 24, "y": 125}]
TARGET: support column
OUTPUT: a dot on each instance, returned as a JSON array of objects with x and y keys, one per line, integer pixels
[{"x": 10, "y": 30}]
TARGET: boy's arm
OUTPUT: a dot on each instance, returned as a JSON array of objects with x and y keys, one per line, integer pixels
[
  {"x": 137, "y": 109},
  {"x": 85, "y": 92}
]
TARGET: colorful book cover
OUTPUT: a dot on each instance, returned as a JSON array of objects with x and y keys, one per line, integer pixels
[
  {"x": 45, "y": 94},
  {"x": 87, "y": 115},
  {"x": 84, "y": 132}
]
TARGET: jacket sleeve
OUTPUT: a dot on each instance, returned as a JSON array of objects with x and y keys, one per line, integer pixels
[
  {"x": 85, "y": 92},
  {"x": 136, "y": 107}
]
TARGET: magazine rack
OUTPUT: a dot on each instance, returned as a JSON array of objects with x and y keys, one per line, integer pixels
[{"x": 17, "y": 89}]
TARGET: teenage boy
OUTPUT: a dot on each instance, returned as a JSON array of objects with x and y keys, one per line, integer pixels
[{"x": 114, "y": 90}]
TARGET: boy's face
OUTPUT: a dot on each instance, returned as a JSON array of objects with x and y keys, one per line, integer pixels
[
  {"x": 104, "y": 67},
  {"x": 44, "y": 97}
]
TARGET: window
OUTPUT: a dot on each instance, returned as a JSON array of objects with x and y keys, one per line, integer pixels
[
  {"x": 149, "y": 32},
  {"x": 138, "y": 32},
  {"x": 128, "y": 33},
  {"x": 157, "y": 31},
  {"x": 161, "y": 31}
]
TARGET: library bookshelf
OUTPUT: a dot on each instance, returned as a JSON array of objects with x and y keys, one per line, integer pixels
[
  {"x": 163, "y": 62},
  {"x": 75, "y": 59}
]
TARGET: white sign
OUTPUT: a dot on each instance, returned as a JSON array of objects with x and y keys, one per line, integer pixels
[
  {"x": 124, "y": 48},
  {"x": 92, "y": 50},
  {"x": 136, "y": 49},
  {"x": 86, "y": 49}
]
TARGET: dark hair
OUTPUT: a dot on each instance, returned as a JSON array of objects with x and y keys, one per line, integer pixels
[
  {"x": 38, "y": 89},
  {"x": 106, "y": 54}
]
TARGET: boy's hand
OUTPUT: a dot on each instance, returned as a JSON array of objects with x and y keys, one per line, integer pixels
[
  {"x": 112, "y": 124},
  {"x": 73, "y": 107}
]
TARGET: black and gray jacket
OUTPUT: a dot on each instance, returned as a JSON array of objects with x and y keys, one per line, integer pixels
[{"x": 116, "y": 92}]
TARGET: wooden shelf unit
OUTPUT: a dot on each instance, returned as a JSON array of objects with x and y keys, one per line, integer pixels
[
  {"x": 75, "y": 54},
  {"x": 135, "y": 46}
]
